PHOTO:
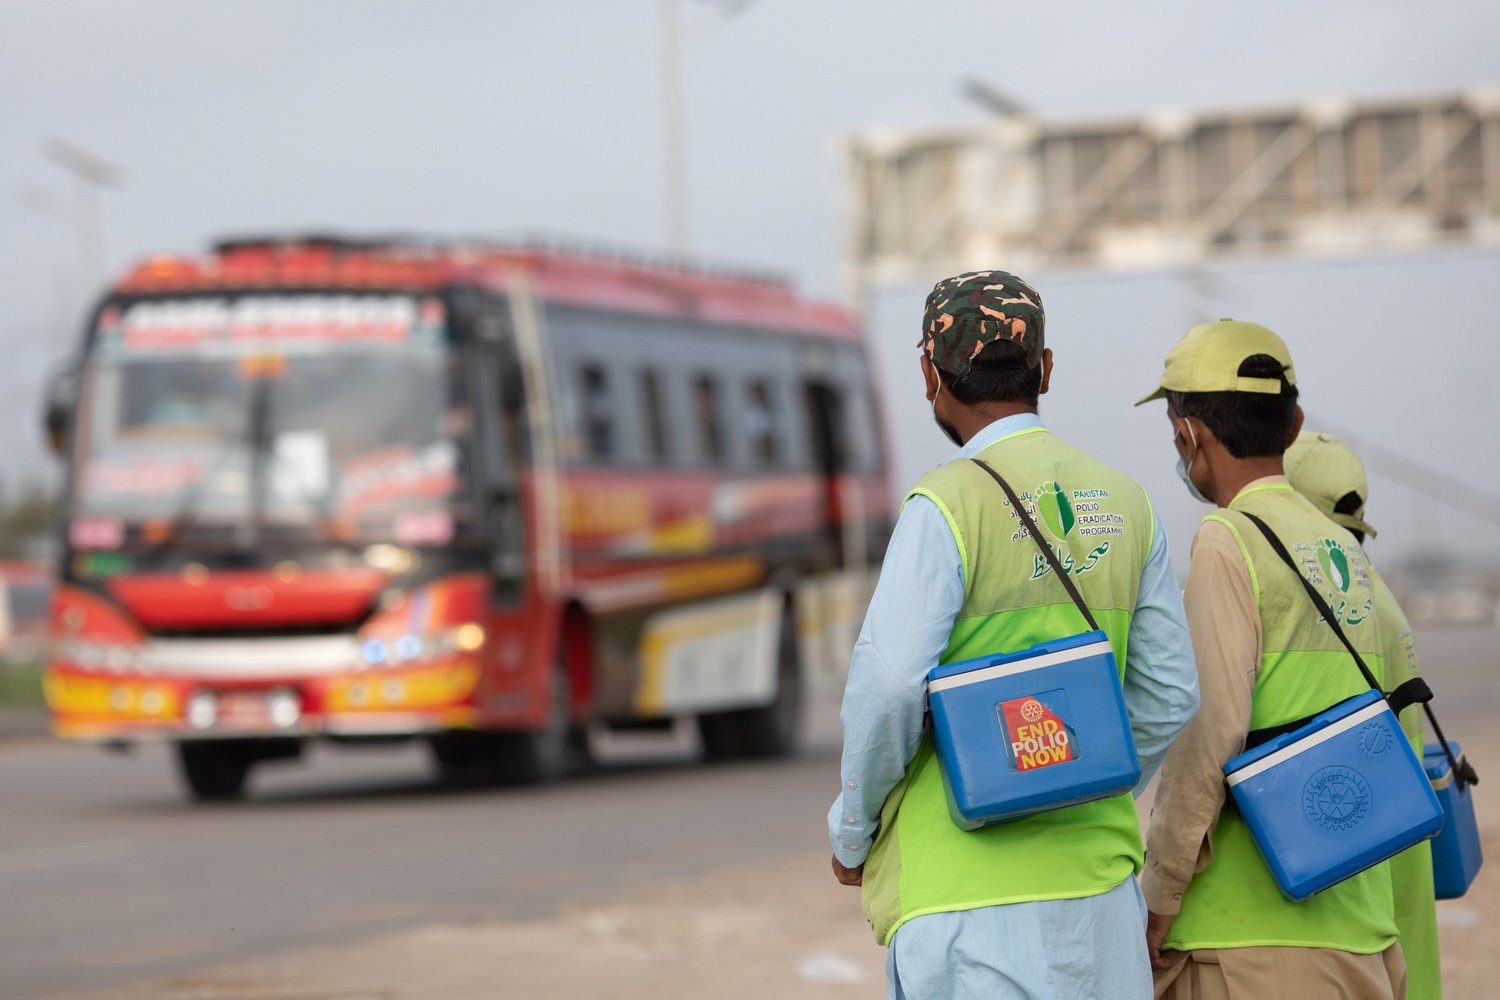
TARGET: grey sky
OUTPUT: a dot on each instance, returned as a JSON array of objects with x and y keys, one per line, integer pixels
[{"x": 504, "y": 117}]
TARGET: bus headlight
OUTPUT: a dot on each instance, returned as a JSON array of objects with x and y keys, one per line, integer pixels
[
  {"x": 202, "y": 710},
  {"x": 94, "y": 655},
  {"x": 412, "y": 647},
  {"x": 284, "y": 707},
  {"x": 468, "y": 637}
]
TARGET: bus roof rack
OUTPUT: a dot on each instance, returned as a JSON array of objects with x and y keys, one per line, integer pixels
[
  {"x": 320, "y": 240},
  {"x": 624, "y": 254},
  {"x": 550, "y": 244}
]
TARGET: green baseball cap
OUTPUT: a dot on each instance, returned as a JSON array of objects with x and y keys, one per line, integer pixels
[
  {"x": 967, "y": 311},
  {"x": 1208, "y": 359},
  {"x": 1324, "y": 469}
]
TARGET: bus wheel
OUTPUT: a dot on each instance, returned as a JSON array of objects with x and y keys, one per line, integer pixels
[
  {"x": 214, "y": 771},
  {"x": 537, "y": 756},
  {"x": 461, "y": 757},
  {"x": 773, "y": 730}
]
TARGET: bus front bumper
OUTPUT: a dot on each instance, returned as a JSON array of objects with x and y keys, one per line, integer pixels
[{"x": 98, "y": 707}]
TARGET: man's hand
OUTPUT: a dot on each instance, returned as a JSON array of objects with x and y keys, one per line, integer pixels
[
  {"x": 848, "y": 876},
  {"x": 1157, "y": 927}
]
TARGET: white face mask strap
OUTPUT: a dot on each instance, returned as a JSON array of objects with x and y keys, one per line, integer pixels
[{"x": 1194, "y": 438}]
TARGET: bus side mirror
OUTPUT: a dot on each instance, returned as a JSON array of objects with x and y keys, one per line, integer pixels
[
  {"x": 505, "y": 543},
  {"x": 59, "y": 402}
]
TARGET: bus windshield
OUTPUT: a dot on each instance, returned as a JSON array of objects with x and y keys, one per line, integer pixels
[{"x": 290, "y": 410}]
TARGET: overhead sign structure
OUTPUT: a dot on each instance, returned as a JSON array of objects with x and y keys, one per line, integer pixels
[{"x": 1173, "y": 189}]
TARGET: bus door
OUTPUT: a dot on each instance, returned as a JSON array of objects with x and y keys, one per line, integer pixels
[
  {"x": 503, "y": 456},
  {"x": 825, "y": 423},
  {"x": 503, "y": 445}
]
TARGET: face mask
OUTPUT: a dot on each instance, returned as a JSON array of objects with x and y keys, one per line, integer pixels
[
  {"x": 945, "y": 428},
  {"x": 1184, "y": 472}
]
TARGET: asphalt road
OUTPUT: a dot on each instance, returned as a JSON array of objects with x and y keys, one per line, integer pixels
[{"x": 108, "y": 877}]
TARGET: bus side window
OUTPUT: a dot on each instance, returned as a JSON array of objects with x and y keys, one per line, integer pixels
[
  {"x": 706, "y": 416},
  {"x": 864, "y": 447},
  {"x": 760, "y": 424},
  {"x": 861, "y": 428},
  {"x": 598, "y": 421},
  {"x": 653, "y": 412}
]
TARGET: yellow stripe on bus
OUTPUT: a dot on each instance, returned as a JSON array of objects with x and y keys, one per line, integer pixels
[
  {"x": 712, "y": 577},
  {"x": 410, "y": 690}
]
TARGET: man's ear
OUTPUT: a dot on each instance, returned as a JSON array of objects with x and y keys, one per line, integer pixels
[
  {"x": 930, "y": 376},
  {"x": 1046, "y": 371},
  {"x": 1296, "y": 425},
  {"x": 1201, "y": 433}
]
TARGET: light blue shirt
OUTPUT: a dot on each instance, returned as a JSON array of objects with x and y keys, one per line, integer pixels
[{"x": 906, "y": 628}]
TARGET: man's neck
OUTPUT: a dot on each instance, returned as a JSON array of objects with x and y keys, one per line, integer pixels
[
  {"x": 1241, "y": 472},
  {"x": 974, "y": 419}
]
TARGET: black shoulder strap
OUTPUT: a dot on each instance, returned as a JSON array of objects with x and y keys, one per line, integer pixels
[
  {"x": 1036, "y": 536},
  {"x": 1407, "y": 694},
  {"x": 1317, "y": 598}
]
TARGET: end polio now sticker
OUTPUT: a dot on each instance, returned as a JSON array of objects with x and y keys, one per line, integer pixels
[{"x": 1036, "y": 735}]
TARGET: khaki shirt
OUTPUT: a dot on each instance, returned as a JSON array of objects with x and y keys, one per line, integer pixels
[{"x": 1225, "y": 625}]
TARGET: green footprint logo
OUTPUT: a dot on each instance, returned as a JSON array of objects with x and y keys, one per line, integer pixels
[
  {"x": 1335, "y": 564},
  {"x": 1056, "y": 509}
]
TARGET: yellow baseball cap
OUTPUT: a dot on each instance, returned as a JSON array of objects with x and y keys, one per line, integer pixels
[
  {"x": 1208, "y": 359},
  {"x": 1324, "y": 469}
]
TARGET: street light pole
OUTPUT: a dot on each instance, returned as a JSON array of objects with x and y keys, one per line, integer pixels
[
  {"x": 673, "y": 126},
  {"x": 91, "y": 172},
  {"x": 675, "y": 37}
]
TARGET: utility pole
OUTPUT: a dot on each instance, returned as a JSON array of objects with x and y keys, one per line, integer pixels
[
  {"x": 673, "y": 126},
  {"x": 91, "y": 173},
  {"x": 676, "y": 36}
]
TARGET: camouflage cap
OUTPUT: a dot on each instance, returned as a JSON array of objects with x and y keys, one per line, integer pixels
[{"x": 970, "y": 310}]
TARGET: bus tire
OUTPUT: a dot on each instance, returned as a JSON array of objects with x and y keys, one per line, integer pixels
[
  {"x": 773, "y": 730},
  {"x": 537, "y": 756},
  {"x": 720, "y": 734},
  {"x": 214, "y": 771},
  {"x": 460, "y": 757}
]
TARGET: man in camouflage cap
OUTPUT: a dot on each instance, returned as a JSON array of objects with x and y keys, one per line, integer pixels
[
  {"x": 966, "y": 312},
  {"x": 1044, "y": 906}
]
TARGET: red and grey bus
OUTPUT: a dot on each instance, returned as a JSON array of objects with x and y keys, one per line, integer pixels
[{"x": 487, "y": 496}]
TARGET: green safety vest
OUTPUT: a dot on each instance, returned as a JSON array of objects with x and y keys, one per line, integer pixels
[
  {"x": 1411, "y": 870},
  {"x": 1100, "y": 525},
  {"x": 1234, "y": 902}
]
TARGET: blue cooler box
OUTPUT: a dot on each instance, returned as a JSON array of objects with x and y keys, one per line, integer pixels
[
  {"x": 1022, "y": 733},
  {"x": 1335, "y": 797},
  {"x": 1456, "y": 856}
]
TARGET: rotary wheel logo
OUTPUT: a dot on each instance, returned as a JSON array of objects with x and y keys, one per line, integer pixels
[
  {"x": 1056, "y": 509},
  {"x": 1376, "y": 739},
  {"x": 1032, "y": 710},
  {"x": 1336, "y": 798}
]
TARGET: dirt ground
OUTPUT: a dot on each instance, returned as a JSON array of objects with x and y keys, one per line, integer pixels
[{"x": 778, "y": 929}]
